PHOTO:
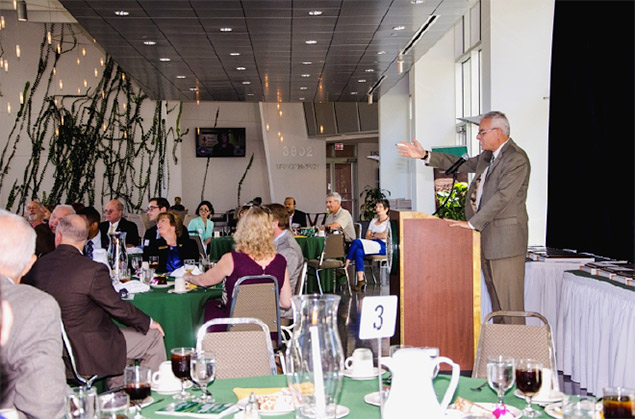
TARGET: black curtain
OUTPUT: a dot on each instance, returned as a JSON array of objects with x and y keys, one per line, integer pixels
[{"x": 591, "y": 129}]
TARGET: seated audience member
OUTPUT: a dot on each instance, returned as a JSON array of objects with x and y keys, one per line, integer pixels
[
  {"x": 287, "y": 246},
  {"x": 202, "y": 225},
  {"x": 156, "y": 206},
  {"x": 339, "y": 218},
  {"x": 33, "y": 213},
  {"x": 254, "y": 254},
  {"x": 90, "y": 305},
  {"x": 92, "y": 217},
  {"x": 116, "y": 222},
  {"x": 173, "y": 247},
  {"x": 373, "y": 244},
  {"x": 295, "y": 215},
  {"x": 32, "y": 377},
  {"x": 177, "y": 204},
  {"x": 58, "y": 213},
  {"x": 45, "y": 241}
]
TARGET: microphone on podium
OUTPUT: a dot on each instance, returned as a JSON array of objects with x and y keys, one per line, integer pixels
[{"x": 455, "y": 167}]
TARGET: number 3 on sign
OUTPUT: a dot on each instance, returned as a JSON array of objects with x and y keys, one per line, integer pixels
[{"x": 378, "y": 318}]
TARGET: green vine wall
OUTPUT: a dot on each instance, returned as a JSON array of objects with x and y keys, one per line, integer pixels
[{"x": 74, "y": 137}]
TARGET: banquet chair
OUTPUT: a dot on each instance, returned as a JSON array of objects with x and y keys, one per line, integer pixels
[
  {"x": 286, "y": 332},
  {"x": 358, "y": 230},
  {"x": 332, "y": 258},
  {"x": 258, "y": 300},
  {"x": 316, "y": 218},
  {"x": 516, "y": 341},
  {"x": 138, "y": 220},
  {"x": 245, "y": 353},
  {"x": 69, "y": 359},
  {"x": 199, "y": 244},
  {"x": 382, "y": 261}
]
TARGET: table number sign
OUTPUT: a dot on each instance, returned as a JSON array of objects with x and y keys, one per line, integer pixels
[{"x": 378, "y": 318}]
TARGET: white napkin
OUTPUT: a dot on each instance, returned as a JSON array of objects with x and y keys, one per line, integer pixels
[
  {"x": 133, "y": 287},
  {"x": 177, "y": 273},
  {"x": 134, "y": 250}
]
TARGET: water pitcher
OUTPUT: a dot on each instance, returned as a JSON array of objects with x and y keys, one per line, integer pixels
[
  {"x": 315, "y": 359},
  {"x": 117, "y": 255}
]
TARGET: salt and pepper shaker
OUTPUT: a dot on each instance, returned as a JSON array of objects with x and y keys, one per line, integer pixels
[{"x": 251, "y": 409}]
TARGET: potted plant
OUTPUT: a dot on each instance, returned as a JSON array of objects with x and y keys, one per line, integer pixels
[
  {"x": 454, "y": 208},
  {"x": 370, "y": 196}
]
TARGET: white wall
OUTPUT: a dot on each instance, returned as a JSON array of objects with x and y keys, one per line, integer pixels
[
  {"x": 517, "y": 67},
  {"x": 296, "y": 164}
]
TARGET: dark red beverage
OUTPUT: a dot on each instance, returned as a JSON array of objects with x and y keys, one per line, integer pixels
[
  {"x": 618, "y": 407},
  {"x": 529, "y": 381},
  {"x": 181, "y": 365},
  {"x": 138, "y": 391}
]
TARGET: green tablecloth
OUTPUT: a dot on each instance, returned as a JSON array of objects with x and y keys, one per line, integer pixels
[
  {"x": 180, "y": 315},
  {"x": 353, "y": 393},
  {"x": 311, "y": 246}
]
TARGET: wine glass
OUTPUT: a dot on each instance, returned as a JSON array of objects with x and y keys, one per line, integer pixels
[
  {"x": 154, "y": 262},
  {"x": 137, "y": 383},
  {"x": 202, "y": 370},
  {"x": 136, "y": 265},
  {"x": 500, "y": 375},
  {"x": 180, "y": 358},
  {"x": 227, "y": 230},
  {"x": 528, "y": 381}
]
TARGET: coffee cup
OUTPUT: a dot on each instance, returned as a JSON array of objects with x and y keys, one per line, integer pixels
[
  {"x": 179, "y": 284},
  {"x": 547, "y": 385},
  {"x": 164, "y": 379},
  {"x": 216, "y": 234},
  {"x": 360, "y": 364}
]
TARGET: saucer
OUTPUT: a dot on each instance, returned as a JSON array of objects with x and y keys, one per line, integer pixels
[
  {"x": 173, "y": 390},
  {"x": 373, "y": 399},
  {"x": 340, "y": 412},
  {"x": 349, "y": 374},
  {"x": 173, "y": 291},
  {"x": 555, "y": 396},
  {"x": 161, "y": 285}
]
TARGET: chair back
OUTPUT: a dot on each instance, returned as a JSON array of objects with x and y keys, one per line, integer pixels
[
  {"x": 187, "y": 218},
  {"x": 333, "y": 246},
  {"x": 147, "y": 224},
  {"x": 358, "y": 230},
  {"x": 239, "y": 353},
  {"x": 69, "y": 360},
  {"x": 316, "y": 218},
  {"x": 138, "y": 220},
  {"x": 514, "y": 340},
  {"x": 258, "y": 300},
  {"x": 299, "y": 286},
  {"x": 199, "y": 244},
  {"x": 180, "y": 213},
  {"x": 389, "y": 248}
]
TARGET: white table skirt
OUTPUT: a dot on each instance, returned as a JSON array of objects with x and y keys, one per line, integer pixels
[{"x": 596, "y": 333}]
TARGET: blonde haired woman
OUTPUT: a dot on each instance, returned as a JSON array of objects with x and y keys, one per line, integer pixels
[{"x": 254, "y": 254}]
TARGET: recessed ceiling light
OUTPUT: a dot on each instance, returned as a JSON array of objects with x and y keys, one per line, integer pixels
[
  {"x": 310, "y": 42},
  {"x": 353, "y": 93},
  {"x": 165, "y": 59},
  {"x": 180, "y": 77},
  {"x": 193, "y": 89},
  {"x": 416, "y": 1},
  {"x": 246, "y": 82},
  {"x": 307, "y": 62},
  {"x": 250, "y": 94},
  {"x": 399, "y": 28},
  {"x": 149, "y": 43},
  {"x": 361, "y": 81},
  {"x": 122, "y": 12},
  {"x": 301, "y": 98},
  {"x": 226, "y": 29},
  {"x": 306, "y": 75},
  {"x": 370, "y": 70},
  {"x": 303, "y": 88},
  {"x": 382, "y": 52},
  {"x": 241, "y": 68},
  {"x": 234, "y": 54},
  {"x": 315, "y": 12}
]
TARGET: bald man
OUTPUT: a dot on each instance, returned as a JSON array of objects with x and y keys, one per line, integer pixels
[
  {"x": 89, "y": 305},
  {"x": 115, "y": 221}
]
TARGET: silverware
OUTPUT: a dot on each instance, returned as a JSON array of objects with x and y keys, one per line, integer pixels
[{"x": 479, "y": 388}]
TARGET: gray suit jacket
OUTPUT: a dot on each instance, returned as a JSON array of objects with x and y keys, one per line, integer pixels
[
  {"x": 502, "y": 216},
  {"x": 290, "y": 249},
  {"x": 33, "y": 376}
]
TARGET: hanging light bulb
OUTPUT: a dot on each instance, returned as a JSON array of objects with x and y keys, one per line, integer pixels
[
  {"x": 54, "y": 71},
  {"x": 267, "y": 126},
  {"x": 278, "y": 106},
  {"x": 6, "y": 65},
  {"x": 279, "y": 133},
  {"x": 59, "y": 48},
  {"x": 198, "y": 102},
  {"x": 1, "y": 62},
  {"x": 103, "y": 94},
  {"x": 21, "y": 98},
  {"x": 55, "y": 101},
  {"x": 8, "y": 108},
  {"x": 101, "y": 62},
  {"x": 61, "y": 85},
  {"x": 198, "y": 130},
  {"x": 49, "y": 37},
  {"x": 18, "y": 52},
  {"x": 57, "y": 131},
  {"x": 79, "y": 90},
  {"x": 125, "y": 106},
  {"x": 62, "y": 119},
  {"x": 123, "y": 76},
  {"x": 125, "y": 134},
  {"x": 2, "y": 22},
  {"x": 104, "y": 126},
  {"x": 77, "y": 60},
  {"x": 85, "y": 83},
  {"x": 280, "y": 113},
  {"x": 83, "y": 51},
  {"x": 281, "y": 138},
  {"x": 96, "y": 72},
  {"x": 15, "y": 4}
]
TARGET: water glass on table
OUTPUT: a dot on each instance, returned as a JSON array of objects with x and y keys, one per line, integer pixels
[
  {"x": 500, "y": 375},
  {"x": 181, "y": 358},
  {"x": 528, "y": 381},
  {"x": 203, "y": 371},
  {"x": 81, "y": 403},
  {"x": 113, "y": 406},
  {"x": 579, "y": 407},
  {"x": 618, "y": 402},
  {"x": 137, "y": 383}
]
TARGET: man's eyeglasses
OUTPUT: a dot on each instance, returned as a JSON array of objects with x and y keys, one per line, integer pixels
[
  {"x": 151, "y": 208},
  {"x": 485, "y": 131}
]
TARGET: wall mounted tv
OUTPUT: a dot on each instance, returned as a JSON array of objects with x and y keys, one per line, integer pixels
[{"x": 220, "y": 142}]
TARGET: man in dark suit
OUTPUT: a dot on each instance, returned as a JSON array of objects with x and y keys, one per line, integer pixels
[
  {"x": 32, "y": 378},
  {"x": 295, "y": 215},
  {"x": 89, "y": 305},
  {"x": 495, "y": 206},
  {"x": 113, "y": 213}
]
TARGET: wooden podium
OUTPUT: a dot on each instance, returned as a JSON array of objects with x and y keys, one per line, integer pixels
[{"x": 437, "y": 278}]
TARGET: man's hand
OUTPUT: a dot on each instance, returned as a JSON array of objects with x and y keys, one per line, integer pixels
[
  {"x": 155, "y": 325},
  {"x": 413, "y": 150},
  {"x": 462, "y": 224}
]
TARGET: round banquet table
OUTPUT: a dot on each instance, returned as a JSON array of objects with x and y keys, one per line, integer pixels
[
  {"x": 180, "y": 315},
  {"x": 352, "y": 396}
]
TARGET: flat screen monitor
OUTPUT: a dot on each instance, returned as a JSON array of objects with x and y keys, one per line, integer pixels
[{"x": 220, "y": 142}]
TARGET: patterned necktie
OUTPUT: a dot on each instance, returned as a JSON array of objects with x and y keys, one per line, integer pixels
[
  {"x": 89, "y": 249},
  {"x": 491, "y": 164}
]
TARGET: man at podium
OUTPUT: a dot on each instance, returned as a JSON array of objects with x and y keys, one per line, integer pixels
[{"x": 496, "y": 206}]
